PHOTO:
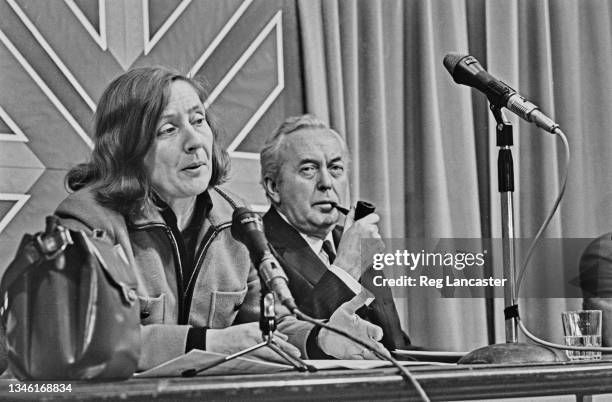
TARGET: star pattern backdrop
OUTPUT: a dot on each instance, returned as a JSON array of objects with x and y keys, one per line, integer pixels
[{"x": 57, "y": 56}]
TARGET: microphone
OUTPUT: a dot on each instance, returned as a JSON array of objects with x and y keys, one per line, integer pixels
[
  {"x": 247, "y": 227},
  {"x": 466, "y": 70}
]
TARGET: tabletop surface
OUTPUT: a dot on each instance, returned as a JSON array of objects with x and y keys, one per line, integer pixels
[{"x": 451, "y": 382}]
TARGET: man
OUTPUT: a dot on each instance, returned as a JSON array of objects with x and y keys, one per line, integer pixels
[
  {"x": 304, "y": 170},
  {"x": 596, "y": 282}
]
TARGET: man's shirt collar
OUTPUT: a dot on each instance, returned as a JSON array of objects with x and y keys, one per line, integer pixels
[{"x": 315, "y": 243}]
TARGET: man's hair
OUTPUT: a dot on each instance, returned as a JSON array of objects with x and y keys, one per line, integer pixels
[
  {"x": 270, "y": 158},
  {"x": 125, "y": 130}
]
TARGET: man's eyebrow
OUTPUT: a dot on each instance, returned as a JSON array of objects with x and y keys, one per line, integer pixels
[
  {"x": 336, "y": 159},
  {"x": 309, "y": 160}
]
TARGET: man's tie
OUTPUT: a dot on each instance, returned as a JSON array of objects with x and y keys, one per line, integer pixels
[{"x": 329, "y": 250}]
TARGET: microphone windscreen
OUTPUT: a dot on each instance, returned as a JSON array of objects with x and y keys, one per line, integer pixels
[
  {"x": 238, "y": 227},
  {"x": 451, "y": 60}
]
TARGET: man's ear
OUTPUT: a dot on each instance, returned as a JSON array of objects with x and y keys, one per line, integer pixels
[{"x": 272, "y": 190}]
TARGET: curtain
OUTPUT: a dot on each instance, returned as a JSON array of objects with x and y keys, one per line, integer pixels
[{"x": 423, "y": 148}]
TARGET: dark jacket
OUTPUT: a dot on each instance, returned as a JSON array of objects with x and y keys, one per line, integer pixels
[{"x": 318, "y": 292}]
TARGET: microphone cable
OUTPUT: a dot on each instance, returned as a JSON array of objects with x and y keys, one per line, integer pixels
[
  {"x": 546, "y": 222},
  {"x": 531, "y": 249},
  {"x": 403, "y": 371}
]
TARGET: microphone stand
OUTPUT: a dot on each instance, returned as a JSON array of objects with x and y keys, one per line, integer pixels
[
  {"x": 505, "y": 183},
  {"x": 512, "y": 351},
  {"x": 267, "y": 324}
]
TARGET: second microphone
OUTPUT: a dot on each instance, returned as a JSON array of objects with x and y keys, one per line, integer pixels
[{"x": 247, "y": 227}]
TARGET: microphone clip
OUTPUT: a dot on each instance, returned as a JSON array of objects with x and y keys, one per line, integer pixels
[{"x": 503, "y": 127}]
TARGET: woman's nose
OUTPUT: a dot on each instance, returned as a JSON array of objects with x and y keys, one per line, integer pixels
[{"x": 195, "y": 139}]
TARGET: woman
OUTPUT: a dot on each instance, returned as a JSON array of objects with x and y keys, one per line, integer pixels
[{"x": 150, "y": 186}]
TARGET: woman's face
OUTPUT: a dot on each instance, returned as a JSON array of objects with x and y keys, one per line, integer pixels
[{"x": 179, "y": 163}]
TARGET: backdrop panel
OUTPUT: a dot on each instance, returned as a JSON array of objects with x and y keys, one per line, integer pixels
[{"x": 56, "y": 58}]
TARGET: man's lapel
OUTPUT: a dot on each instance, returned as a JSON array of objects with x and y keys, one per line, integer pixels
[
  {"x": 292, "y": 248},
  {"x": 336, "y": 235}
]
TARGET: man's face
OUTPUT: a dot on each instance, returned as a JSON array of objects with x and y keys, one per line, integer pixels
[{"x": 313, "y": 175}]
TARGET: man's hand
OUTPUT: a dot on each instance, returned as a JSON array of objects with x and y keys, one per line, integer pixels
[
  {"x": 349, "y": 254},
  {"x": 345, "y": 318},
  {"x": 239, "y": 337}
]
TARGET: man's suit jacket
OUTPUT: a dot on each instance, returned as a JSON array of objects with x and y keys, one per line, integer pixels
[{"x": 318, "y": 292}]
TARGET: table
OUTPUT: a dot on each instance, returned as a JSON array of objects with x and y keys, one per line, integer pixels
[{"x": 440, "y": 382}]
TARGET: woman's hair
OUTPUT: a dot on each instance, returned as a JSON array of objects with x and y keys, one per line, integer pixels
[{"x": 125, "y": 129}]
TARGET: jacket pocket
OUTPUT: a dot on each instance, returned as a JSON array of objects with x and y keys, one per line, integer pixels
[
  {"x": 224, "y": 307},
  {"x": 152, "y": 309}
]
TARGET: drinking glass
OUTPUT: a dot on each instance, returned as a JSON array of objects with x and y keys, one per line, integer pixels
[{"x": 582, "y": 328}]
